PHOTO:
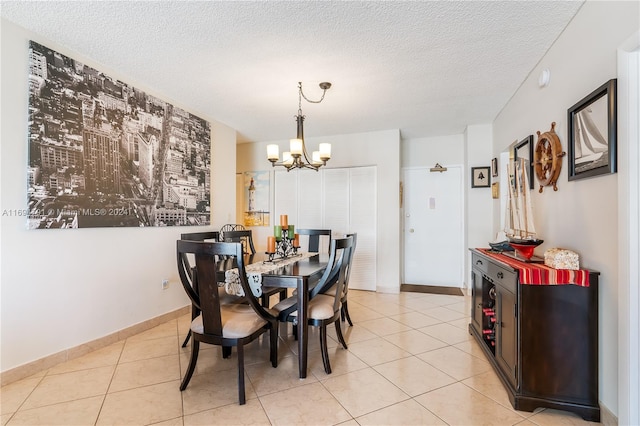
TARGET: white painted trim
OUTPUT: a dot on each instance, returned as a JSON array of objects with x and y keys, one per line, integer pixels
[{"x": 629, "y": 231}]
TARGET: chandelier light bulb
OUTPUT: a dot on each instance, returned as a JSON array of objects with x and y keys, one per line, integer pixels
[
  {"x": 325, "y": 151},
  {"x": 296, "y": 147},
  {"x": 315, "y": 158},
  {"x": 273, "y": 152},
  {"x": 287, "y": 159}
]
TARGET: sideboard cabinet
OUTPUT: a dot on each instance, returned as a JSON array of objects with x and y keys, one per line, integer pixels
[{"x": 541, "y": 339}]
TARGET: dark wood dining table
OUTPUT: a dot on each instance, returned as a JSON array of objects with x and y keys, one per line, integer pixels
[{"x": 298, "y": 275}]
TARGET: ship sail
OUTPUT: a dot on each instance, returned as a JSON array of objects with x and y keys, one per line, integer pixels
[
  {"x": 590, "y": 144},
  {"x": 519, "y": 216}
]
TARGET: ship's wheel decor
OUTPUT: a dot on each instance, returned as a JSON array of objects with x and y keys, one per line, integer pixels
[{"x": 548, "y": 158}]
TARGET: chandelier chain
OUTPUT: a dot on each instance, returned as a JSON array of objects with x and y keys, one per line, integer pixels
[{"x": 301, "y": 95}]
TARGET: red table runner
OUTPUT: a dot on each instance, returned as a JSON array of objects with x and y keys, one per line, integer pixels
[{"x": 540, "y": 274}]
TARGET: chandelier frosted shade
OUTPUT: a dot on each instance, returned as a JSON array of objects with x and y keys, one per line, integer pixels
[
  {"x": 273, "y": 152},
  {"x": 296, "y": 147},
  {"x": 325, "y": 151}
]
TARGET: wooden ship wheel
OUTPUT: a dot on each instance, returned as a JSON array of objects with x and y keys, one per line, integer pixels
[{"x": 547, "y": 158}]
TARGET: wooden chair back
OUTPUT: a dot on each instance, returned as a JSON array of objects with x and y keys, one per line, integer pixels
[
  {"x": 244, "y": 237},
  {"x": 315, "y": 237},
  {"x": 211, "y": 259}
]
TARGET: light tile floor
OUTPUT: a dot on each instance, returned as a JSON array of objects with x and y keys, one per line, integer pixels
[{"x": 411, "y": 361}]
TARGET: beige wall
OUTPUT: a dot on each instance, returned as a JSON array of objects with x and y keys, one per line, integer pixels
[
  {"x": 581, "y": 215},
  {"x": 63, "y": 288}
]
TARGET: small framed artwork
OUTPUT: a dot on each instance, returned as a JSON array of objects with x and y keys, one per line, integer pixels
[
  {"x": 592, "y": 132},
  {"x": 524, "y": 149},
  {"x": 495, "y": 190},
  {"x": 494, "y": 167},
  {"x": 480, "y": 177}
]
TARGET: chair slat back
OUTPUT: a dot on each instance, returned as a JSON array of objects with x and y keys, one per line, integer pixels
[
  {"x": 211, "y": 260},
  {"x": 200, "y": 236},
  {"x": 190, "y": 262},
  {"x": 335, "y": 274},
  {"x": 245, "y": 237},
  {"x": 314, "y": 238},
  {"x": 229, "y": 227},
  {"x": 352, "y": 252}
]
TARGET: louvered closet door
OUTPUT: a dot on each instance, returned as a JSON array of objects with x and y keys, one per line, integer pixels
[
  {"x": 336, "y": 200},
  {"x": 286, "y": 196},
  {"x": 343, "y": 200},
  {"x": 363, "y": 220},
  {"x": 309, "y": 199}
]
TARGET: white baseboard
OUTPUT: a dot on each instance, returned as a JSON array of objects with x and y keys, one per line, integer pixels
[{"x": 49, "y": 361}]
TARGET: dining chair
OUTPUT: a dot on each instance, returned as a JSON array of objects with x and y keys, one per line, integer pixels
[
  {"x": 314, "y": 238},
  {"x": 190, "y": 270},
  {"x": 245, "y": 237},
  {"x": 344, "y": 309},
  {"x": 323, "y": 309},
  {"x": 225, "y": 325},
  {"x": 229, "y": 227}
]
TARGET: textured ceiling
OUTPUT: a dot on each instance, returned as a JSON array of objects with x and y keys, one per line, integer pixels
[{"x": 426, "y": 68}]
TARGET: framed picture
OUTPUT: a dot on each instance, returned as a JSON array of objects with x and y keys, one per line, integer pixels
[
  {"x": 592, "y": 132},
  {"x": 495, "y": 190},
  {"x": 480, "y": 177},
  {"x": 524, "y": 149},
  {"x": 494, "y": 167}
]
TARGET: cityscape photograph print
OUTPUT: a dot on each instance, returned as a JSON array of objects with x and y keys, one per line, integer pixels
[{"x": 105, "y": 154}]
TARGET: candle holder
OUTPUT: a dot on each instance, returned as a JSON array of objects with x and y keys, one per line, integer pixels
[{"x": 286, "y": 246}]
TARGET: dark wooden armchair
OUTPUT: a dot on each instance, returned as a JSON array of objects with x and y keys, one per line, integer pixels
[{"x": 226, "y": 325}]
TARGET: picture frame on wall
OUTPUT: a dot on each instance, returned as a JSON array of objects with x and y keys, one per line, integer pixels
[
  {"x": 592, "y": 133},
  {"x": 494, "y": 167},
  {"x": 495, "y": 190},
  {"x": 480, "y": 177},
  {"x": 524, "y": 149}
]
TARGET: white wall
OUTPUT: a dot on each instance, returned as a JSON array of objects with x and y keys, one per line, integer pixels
[
  {"x": 473, "y": 148},
  {"x": 426, "y": 152},
  {"x": 478, "y": 202},
  {"x": 62, "y": 288},
  {"x": 581, "y": 215},
  {"x": 362, "y": 149}
]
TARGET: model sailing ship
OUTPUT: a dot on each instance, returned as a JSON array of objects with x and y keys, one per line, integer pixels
[{"x": 519, "y": 227}]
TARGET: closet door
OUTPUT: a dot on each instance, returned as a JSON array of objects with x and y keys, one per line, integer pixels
[
  {"x": 286, "y": 196},
  {"x": 343, "y": 200},
  {"x": 309, "y": 199},
  {"x": 336, "y": 200},
  {"x": 363, "y": 220}
]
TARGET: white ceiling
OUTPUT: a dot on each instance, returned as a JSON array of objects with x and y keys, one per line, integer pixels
[{"x": 426, "y": 68}]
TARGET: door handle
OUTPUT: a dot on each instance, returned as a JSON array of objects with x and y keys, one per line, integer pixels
[{"x": 411, "y": 231}]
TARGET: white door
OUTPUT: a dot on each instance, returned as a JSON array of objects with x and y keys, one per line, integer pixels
[{"x": 433, "y": 227}]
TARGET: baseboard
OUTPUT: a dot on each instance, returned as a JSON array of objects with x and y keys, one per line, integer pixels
[
  {"x": 49, "y": 361},
  {"x": 454, "y": 291},
  {"x": 607, "y": 418}
]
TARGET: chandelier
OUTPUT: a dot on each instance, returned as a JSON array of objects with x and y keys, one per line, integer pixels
[{"x": 297, "y": 156}]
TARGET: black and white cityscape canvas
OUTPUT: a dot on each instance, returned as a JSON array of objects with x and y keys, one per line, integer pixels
[{"x": 105, "y": 154}]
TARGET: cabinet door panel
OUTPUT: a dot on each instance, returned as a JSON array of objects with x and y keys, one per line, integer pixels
[
  {"x": 476, "y": 302},
  {"x": 506, "y": 339}
]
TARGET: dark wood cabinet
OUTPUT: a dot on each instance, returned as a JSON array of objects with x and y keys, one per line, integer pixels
[{"x": 542, "y": 340}]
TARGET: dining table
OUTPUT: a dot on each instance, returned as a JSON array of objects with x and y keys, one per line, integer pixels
[{"x": 298, "y": 274}]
